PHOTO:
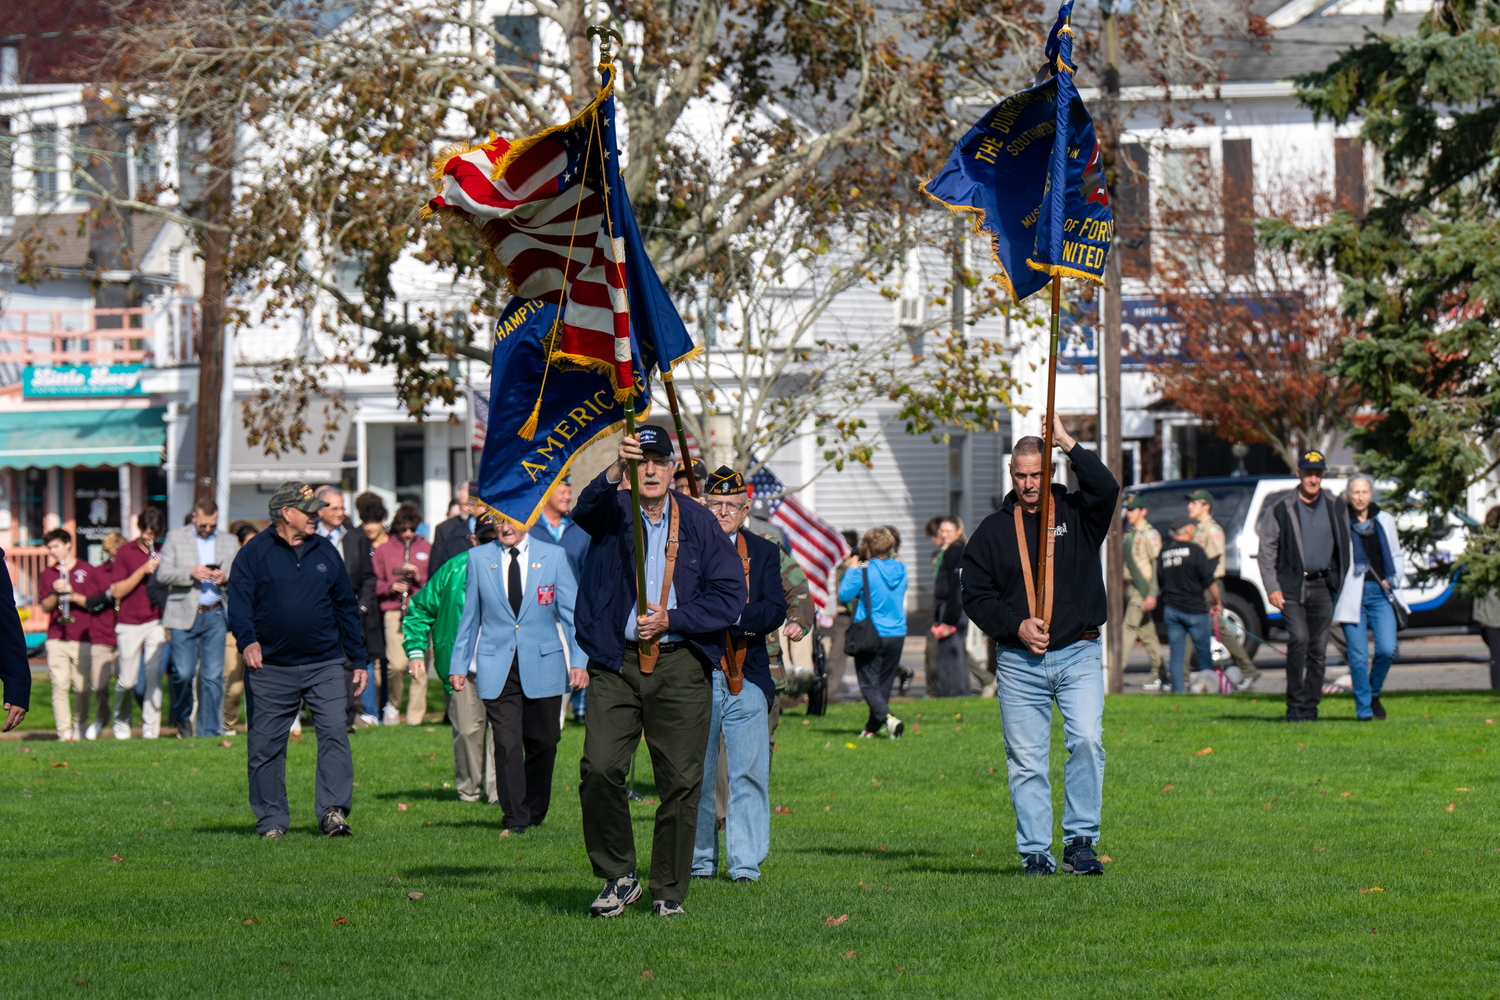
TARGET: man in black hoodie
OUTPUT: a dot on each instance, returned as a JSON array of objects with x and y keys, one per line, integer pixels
[{"x": 1051, "y": 653}]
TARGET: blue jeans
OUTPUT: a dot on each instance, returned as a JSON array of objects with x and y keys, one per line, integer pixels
[
  {"x": 579, "y": 701},
  {"x": 1028, "y": 686},
  {"x": 742, "y": 719},
  {"x": 368, "y": 704},
  {"x": 203, "y": 642},
  {"x": 1180, "y": 625},
  {"x": 1375, "y": 612}
]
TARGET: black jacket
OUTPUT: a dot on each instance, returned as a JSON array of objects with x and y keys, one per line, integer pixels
[
  {"x": 709, "y": 579},
  {"x": 764, "y": 612},
  {"x": 994, "y": 585},
  {"x": 15, "y": 668},
  {"x": 1280, "y": 555},
  {"x": 450, "y": 538},
  {"x": 295, "y": 602},
  {"x": 947, "y": 590},
  {"x": 359, "y": 563}
]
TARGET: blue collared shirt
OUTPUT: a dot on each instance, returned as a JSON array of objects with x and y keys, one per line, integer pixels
[
  {"x": 656, "y": 566},
  {"x": 557, "y": 532},
  {"x": 208, "y": 591}
]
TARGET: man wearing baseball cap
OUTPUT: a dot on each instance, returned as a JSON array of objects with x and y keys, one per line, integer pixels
[
  {"x": 695, "y": 590},
  {"x": 1304, "y": 554},
  {"x": 296, "y": 622},
  {"x": 1210, "y": 538}
]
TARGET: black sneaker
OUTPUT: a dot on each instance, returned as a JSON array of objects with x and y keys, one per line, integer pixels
[
  {"x": 1376, "y": 708},
  {"x": 1079, "y": 858},
  {"x": 668, "y": 908},
  {"x": 617, "y": 894},
  {"x": 335, "y": 825},
  {"x": 1037, "y": 864}
]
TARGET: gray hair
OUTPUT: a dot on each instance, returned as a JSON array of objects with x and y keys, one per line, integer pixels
[
  {"x": 1357, "y": 477},
  {"x": 1029, "y": 445}
]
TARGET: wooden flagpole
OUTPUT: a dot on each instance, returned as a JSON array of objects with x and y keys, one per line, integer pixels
[
  {"x": 1044, "y": 543},
  {"x": 604, "y": 34},
  {"x": 687, "y": 464}
]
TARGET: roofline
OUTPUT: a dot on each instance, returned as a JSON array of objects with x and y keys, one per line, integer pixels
[{"x": 1237, "y": 90}]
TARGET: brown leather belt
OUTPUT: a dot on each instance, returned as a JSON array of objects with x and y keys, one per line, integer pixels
[
  {"x": 210, "y": 607},
  {"x": 1090, "y": 635}
]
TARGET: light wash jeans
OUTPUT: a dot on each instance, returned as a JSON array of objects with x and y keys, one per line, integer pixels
[
  {"x": 1375, "y": 612},
  {"x": 1028, "y": 686},
  {"x": 203, "y": 643},
  {"x": 742, "y": 719},
  {"x": 1180, "y": 625}
]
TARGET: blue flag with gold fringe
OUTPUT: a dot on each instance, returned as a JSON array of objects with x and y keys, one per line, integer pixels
[
  {"x": 1030, "y": 172},
  {"x": 589, "y": 319}
]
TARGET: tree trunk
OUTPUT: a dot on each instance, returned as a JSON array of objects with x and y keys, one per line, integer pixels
[
  {"x": 216, "y": 210},
  {"x": 1108, "y": 349}
]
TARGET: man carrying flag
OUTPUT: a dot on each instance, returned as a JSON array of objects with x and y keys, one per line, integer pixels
[{"x": 1031, "y": 578}]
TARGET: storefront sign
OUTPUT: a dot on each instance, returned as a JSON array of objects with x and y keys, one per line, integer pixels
[{"x": 81, "y": 380}]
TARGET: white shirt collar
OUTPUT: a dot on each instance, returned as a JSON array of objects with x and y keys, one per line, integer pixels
[{"x": 522, "y": 547}]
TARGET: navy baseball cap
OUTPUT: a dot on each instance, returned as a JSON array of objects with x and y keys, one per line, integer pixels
[
  {"x": 654, "y": 440},
  {"x": 1312, "y": 461}
]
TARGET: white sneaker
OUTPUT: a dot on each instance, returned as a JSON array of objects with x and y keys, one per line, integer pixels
[
  {"x": 894, "y": 727},
  {"x": 1155, "y": 686},
  {"x": 149, "y": 734},
  {"x": 366, "y": 719},
  {"x": 92, "y": 733},
  {"x": 77, "y": 735},
  {"x": 297, "y": 726},
  {"x": 391, "y": 717},
  {"x": 122, "y": 729}
]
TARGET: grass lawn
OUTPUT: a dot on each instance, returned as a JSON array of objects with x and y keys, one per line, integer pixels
[{"x": 1328, "y": 860}]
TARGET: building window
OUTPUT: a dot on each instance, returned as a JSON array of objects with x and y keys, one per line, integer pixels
[
  {"x": 410, "y": 464},
  {"x": 145, "y": 161},
  {"x": 1239, "y": 207},
  {"x": 1132, "y": 205},
  {"x": 44, "y": 160}
]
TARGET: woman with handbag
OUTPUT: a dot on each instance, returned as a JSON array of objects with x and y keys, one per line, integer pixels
[
  {"x": 1369, "y": 597},
  {"x": 876, "y": 583}
]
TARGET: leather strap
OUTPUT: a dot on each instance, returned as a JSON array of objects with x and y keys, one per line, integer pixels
[
  {"x": 648, "y": 652},
  {"x": 733, "y": 660},
  {"x": 1024, "y": 549}
]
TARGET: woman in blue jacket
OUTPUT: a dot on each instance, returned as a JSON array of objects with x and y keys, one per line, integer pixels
[{"x": 885, "y": 605}]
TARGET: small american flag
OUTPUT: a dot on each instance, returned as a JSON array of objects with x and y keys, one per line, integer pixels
[
  {"x": 816, "y": 545},
  {"x": 540, "y": 205}
]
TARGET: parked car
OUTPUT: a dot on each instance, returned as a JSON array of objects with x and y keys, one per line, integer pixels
[{"x": 1239, "y": 503}]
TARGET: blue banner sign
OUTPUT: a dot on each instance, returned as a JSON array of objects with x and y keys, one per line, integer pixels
[{"x": 81, "y": 380}]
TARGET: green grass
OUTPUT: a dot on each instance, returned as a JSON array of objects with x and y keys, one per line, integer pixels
[{"x": 1217, "y": 887}]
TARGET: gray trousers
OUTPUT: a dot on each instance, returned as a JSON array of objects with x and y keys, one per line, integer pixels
[
  {"x": 473, "y": 768},
  {"x": 273, "y": 695}
]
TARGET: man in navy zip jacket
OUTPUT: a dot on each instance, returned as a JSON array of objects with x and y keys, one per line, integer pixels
[
  {"x": 670, "y": 701},
  {"x": 296, "y": 621}
]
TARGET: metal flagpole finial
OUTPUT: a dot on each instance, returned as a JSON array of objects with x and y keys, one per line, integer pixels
[{"x": 604, "y": 33}]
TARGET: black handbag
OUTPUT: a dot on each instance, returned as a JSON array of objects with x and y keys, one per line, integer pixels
[
  {"x": 861, "y": 639},
  {"x": 1396, "y": 608}
]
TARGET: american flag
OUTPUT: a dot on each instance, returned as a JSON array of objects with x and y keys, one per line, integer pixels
[
  {"x": 816, "y": 545},
  {"x": 540, "y": 205}
]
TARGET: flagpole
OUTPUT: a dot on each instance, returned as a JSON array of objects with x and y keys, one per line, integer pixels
[
  {"x": 1043, "y": 541},
  {"x": 687, "y": 465},
  {"x": 605, "y": 63}
]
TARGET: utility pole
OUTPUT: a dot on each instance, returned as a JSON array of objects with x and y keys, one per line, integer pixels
[
  {"x": 215, "y": 210},
  {"x": 1108, "y": 348}
]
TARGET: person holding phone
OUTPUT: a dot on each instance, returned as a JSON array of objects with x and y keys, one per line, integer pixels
[{"x": 195, "y": 564}]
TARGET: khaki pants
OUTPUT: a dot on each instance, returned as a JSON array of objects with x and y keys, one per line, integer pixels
[
  {"x": 395, "y": 671},
  {"x": 1139, "y": 627},
  {"x": 234, "y": 682},
  {"x": 136, "y": 641},
  {"x": 67, "y": 679},
  {"x": 473, "y": 755}
]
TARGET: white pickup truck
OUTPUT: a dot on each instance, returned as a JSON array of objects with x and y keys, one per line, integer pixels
[{"x": 1238, "y": 505}]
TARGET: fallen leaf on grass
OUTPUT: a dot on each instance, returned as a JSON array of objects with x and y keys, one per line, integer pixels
[
  {"x": 81, "y": 982},
  {"x": 1449, "y": 807},
  {"x": 916, "y": 727},
  {"x": 647, "y": 974},
  {"x": 958, "y": 729},
  {"x": 225, "y": 743},
  {"x": 116, "y": 857},
  {"x": 1301, "y": 746},
  {"x": 876, "y": 782},
  {"x": 1489, "y": 722},
  {"x": 413, "y": 895},
  {"x": 1461, "y": 789},
  {"x": 783, "y": 810},
  {"x": 1372, "y": 930},
  {"x": 1345, "y": 795},
  {"x": 341, "y": 921},
  {"x": 395, "y": 879},
  {"x": 401, "y": 806},
  {"x": 1105, "y": 859},
  {"x": 827, "y": 808},
  {"x": 1203, "y": 752},
  {"x": 835, "y": 921},
  {"x": 1167, "y": 788},
  {"x": 992, "y": 770},
  {"x": 1372, "y": 889},
  {"x": 807, "y": 722},
  {"x": 849, "y": 745},
  {"x": 295, "y": 739},
  {"x": 1320, "y": 848},
  {"x": 252, "y": 920},
  {"x": 1265, "y": 805},
  {"x": 882, "y": 847},
  {"x": 848, "y": 954},
  {"x": 59, "y": 763}
]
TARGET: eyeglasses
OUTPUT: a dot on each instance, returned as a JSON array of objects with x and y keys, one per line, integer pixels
[{"x": 726, "y": 506}]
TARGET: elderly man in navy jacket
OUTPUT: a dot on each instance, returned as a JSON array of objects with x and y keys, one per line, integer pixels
[
  {"x": 743, "y": 693},
  {"x": 695, "y": 590},
  {"x": 296, "y": 622}
]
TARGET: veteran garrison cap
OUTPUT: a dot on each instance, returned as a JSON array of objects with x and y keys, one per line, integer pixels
[
  {"x": 1202, "y": 496},
  {"x": 1313, "y": 461},
  {"x": 1136, "y": 502},
  {"x": 298, "y": 495},
  {"x": 725, "y": 482},
  {"x": 654, "y": 440}
]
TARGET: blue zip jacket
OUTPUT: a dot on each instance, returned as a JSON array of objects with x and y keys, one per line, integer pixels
[
  {"x": 296, "y": 602},
  {"x": 887, "y": 595},
  {"x": 708, "y": 578}
]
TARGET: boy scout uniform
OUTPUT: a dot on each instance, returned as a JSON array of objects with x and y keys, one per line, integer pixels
[
  {"x": 1210, "y": 537},
  {"x": 1142, "y": 547}
]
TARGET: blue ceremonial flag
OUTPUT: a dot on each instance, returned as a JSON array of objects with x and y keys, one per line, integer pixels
[
  {"x": 589, "y": 318},
  {"x": 1031, "y": 173}
]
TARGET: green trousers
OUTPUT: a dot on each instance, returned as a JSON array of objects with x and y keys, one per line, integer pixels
[{"x": 672, "y": 705}]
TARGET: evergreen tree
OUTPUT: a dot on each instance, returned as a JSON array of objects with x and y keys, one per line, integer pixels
[{"x": 1421, "y": 268}]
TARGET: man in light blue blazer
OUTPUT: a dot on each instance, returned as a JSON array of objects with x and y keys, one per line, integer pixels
[{"x": 519, "y": 590}]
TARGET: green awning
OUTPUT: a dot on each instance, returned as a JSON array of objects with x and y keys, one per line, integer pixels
[{"x": 82, "y": 437}]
